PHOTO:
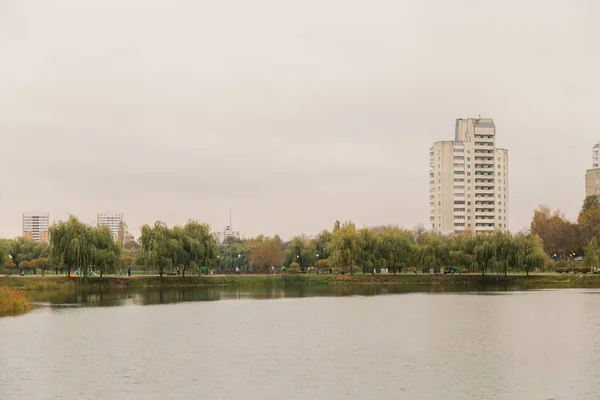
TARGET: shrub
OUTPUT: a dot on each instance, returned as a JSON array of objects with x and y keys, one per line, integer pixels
[
  {"x": 562, "y": 266},
  {"x": 323, "y": 266},
  {"x": 294, "y": 268},
  {"x": 550, "y": 265},
  {"x": 583, "y": 270}
]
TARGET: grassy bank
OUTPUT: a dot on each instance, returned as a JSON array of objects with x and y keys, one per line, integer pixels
[
  {"x": 13, "y": 302},
  {"x": 532, "y": 281}
]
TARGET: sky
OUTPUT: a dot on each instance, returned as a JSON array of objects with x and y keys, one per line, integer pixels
[{"x": 290, "y": 113}]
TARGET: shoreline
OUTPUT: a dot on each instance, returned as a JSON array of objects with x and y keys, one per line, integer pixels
[{"x": 53, "y": 282}]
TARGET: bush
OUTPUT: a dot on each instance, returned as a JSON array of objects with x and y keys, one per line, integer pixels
[
  {"x": 561, "y": 267},
  {"x": 323, "y": 266},
  {"x": 583, "y": 270},
  {"x": 550, "y": 265},
  {"x": 294, "y": 268}
]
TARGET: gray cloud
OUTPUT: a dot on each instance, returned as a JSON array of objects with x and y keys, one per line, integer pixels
[{"x": 293, "y": 114}]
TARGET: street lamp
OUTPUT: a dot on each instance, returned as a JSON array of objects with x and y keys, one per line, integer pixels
[
  {"x": 317, "y": 264},
  {"x": 573, "y": 260}
]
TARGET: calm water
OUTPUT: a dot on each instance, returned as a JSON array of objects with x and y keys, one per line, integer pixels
[{"x": 493, "y": 345}]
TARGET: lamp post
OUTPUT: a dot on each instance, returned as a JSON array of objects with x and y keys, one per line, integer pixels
[
  {"x": 239, "y": 263},
  {"x": 317, "y": 264},
  {"x": 573, "y": 260}
]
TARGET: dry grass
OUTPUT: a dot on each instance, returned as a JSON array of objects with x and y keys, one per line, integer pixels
[{"x": 13, "y": 302}]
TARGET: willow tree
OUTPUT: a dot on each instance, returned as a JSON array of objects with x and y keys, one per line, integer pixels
[
  {"x": 155, "y": 247},
  {"x": 345, "y": 247},
  {"x": 106, "y": 254},
  {"x": 3, "y": 257},
  {"x": 71, "y": 245}
]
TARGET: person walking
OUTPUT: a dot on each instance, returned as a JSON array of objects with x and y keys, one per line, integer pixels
[{"x": 129, "y": 271}]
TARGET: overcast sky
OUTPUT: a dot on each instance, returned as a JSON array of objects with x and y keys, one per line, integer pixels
[{"x": 291, "y": 113}]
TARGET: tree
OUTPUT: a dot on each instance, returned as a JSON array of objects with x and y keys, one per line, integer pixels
[
  {"x": 592, "y": 253},
  {"x": 190, "y": 246},
  {"x": 589, "y": 219},
  {"x": 40, "y": 263},
  {"x": 3, "y": 257},
  {"x": 106, "y": 253},
  {"x": 395, "y": 248},
  {"x": 155, "y": 250},
  {"x": 559, "y": 236},
  {"x": 345, "y": 247},
  {"x": 266, "y": 254},
  {"x": 71, "y": 245},
  {"x": 25, "y": 266}
]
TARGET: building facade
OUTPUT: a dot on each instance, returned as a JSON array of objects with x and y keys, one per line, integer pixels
[
  {"x": 116, "y": 225},
  {"x": 468, "y": 180},
  {"x": 592, "y": 176},
  {"x": 35, "y": 226}
]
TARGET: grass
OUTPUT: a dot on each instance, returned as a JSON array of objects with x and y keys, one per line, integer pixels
[{"x": 13, "y": 302}]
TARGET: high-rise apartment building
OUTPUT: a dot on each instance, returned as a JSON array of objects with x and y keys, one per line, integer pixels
[
  {"x": 35, "y": 226},
  {"x": 592, "y": 176},
  {"x": 468, "y": 180},
  {"x": 116, "y": 225}
]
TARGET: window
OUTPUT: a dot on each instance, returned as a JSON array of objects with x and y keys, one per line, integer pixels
[{"x": 468, "y": 158}]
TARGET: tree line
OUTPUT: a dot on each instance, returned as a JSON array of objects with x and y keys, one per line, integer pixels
[
  {"x": 566, "y": 240},
  {"x": 348, "y": 249},
  {"x": 193, "y": 249}
]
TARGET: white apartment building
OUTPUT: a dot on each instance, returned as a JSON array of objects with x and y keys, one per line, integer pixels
[
  {"x": 468, "y": 180},
  {"x": 116, "y": 225},
  {"x": 35, "y": 226},
  {"x": 592, "y": 176}
]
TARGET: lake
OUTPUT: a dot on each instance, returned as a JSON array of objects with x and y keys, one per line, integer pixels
[{"x": 356, "y": 342}]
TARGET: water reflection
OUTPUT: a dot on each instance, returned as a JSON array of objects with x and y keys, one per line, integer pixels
[{"x": 112, "y": 298}]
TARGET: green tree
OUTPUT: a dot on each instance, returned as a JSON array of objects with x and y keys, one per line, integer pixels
[
  {"x": 106, "y": 253},
  {"x": 589, "y": 219},
  {"x": 345, "y": 247},
  {"x": 71, "y": 245},
  {"x": 155, "y": 249},
  {"x": 592, "y": 253}
]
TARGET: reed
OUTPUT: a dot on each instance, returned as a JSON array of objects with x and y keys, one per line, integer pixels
[{"x": 13, "y": 302}]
